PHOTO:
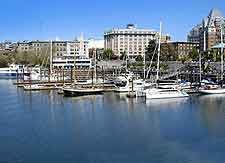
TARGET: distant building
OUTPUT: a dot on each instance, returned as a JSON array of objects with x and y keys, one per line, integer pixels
[
  {"x": 208, "y": 33},
  {"x": 63, "y": 52},
  {"x": 131, "y": 40},
  {"x": 8, "y": 46},
  {"x": 95, "y": 46},
  {"x": 194, "y": 34},
  {"x": 95, "y": 43},
  {"x": 181, "y": 49},
  {"x": 165, "y": 38}
]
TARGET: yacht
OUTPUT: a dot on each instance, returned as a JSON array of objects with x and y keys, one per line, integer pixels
[
  {"x": 164, "y": 92},
  {"x": 124, "y": 84},
  {"x": 13, "y": 71},
  {"x": 160, "y": 93},
  {"x": 211, "y": 89}
]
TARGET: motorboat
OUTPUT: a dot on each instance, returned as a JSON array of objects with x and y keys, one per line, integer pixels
[{"x": 13, "y": 71}]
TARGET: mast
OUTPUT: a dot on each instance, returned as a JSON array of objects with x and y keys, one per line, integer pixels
[
  {"x": 159, "y": 48},
  {"x": 74, "y": 67},
  {"x": 144, "y": 59},
  {"x": 51, "y": 57},
  {"x": 95, "y": 67},
  {"x": 222, "y": 62},
  {"x": 200, "y": 57}
]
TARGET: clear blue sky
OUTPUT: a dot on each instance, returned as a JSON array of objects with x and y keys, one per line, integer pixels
[{"x": 48, "y": 19}]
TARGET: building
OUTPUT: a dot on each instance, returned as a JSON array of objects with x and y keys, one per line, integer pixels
[
  {"x": 208, "y": 33},
  {"x": 194, "y": 34},
  {"x": 180, "y": 49},
  {"x": 96, "y": 46},
  {"x": 8, "y": 46},
  {"x": 165, "y": 38},
  {"x": 95, "y": 43},
  {"x": 63, "y": 52},
  {"x": 131, "y": 40}
]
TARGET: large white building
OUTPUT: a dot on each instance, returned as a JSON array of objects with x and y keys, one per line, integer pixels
[{"x": 131, "y": 40}]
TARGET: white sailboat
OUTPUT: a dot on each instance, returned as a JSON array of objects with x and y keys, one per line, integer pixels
[{"x": 162, "y": 93}]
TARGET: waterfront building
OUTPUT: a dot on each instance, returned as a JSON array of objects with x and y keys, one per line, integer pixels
[
  {"x": 63, "y": 52},
  {"x": 180, "y": 49},
  {"x": 208, "y": 33},
  {"x": 131, "y": 40},
  {"x": 8, "y": 46}
]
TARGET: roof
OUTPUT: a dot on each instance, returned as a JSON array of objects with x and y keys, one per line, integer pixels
[
  {"x": 215, "y": 18},
  {"x": 216, "y": 13},
  {"x": 219, "y": 46}
]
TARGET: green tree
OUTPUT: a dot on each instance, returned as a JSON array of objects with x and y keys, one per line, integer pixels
[
  {"x": 4, "y": 60},
  {"x": 107, "y": 54},
  {"x": 194, "y": 54},
  {"x": 123, "y": 56},
  {"x": 168, "y": 53},
  {"x": 150, "y": 50},
  {"x": 139, "y": 58}
]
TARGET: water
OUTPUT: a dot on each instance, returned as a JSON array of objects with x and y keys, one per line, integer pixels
[{"x": 46, "y": 127}]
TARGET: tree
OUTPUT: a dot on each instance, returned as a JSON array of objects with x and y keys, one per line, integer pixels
[
  {"x": 123, "y": 56},
  {"x": 4, "y": 60},
  {"x": 150, "y": 51},
  {"x": 194, "y": 54},
  {"x": 108, "y": 54},
  {"x": 139, "y": 58},
  {"x": 168, "y": 53}
]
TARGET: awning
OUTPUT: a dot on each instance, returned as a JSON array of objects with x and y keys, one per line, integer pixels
[{"x": 219, "y": 46}]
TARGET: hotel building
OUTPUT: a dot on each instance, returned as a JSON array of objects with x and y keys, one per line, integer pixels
[{"x": 131, "y": 40}]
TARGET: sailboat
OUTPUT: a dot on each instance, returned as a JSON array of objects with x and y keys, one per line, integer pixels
[
  {"x": 74, "y": 90},
  {"x": 163, "y": 93},
  {"x": 211, "y": 89}
]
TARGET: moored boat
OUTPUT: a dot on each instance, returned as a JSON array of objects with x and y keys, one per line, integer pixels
[
  {"x": 82, "y": 91},
  {"x": 157, "y": 93}
]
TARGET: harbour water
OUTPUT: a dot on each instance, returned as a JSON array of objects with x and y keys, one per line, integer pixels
[{"x": 47, "y": 127}]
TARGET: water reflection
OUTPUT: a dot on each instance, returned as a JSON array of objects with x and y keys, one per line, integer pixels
[
  {"x": 213, "y": 113},
  {"x": 174, "y": 103},
  {"x": 109, "y": 128}
]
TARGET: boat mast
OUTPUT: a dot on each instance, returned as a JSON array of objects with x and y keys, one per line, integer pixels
[
  {"x": 51, "y": 57},
  {"x": 144, "y": 59},
  {"x": 222, "y": 62},
  {"x": 200, "y": 57},
  {"x": 74, "y": 67},
  {"x": 95, "y": 67},
  {"x": 159, "y": 48}
]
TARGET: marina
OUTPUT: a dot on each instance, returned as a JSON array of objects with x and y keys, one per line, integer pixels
[
  {"x": 112, "y": 82},
  {"x": 44, "y": 126}
]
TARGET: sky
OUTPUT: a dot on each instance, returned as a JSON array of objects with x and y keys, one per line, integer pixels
[{"x": 66, "y": 19}]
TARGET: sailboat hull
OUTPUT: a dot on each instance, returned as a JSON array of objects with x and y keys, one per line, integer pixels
[
  {"x": 161, "y": 94},
  {"x": 212, "y": 91},
  {"x": 82, "y": 92}
]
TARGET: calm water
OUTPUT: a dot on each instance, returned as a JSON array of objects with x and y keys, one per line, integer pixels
[{"x": 46, "y": 127}]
